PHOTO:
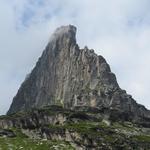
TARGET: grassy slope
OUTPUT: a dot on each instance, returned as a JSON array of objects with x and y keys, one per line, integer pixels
[
  {"x": 22, "y": 142},
  {"x": 117, "y": 134},
  {"x": 28, "y": 144}
]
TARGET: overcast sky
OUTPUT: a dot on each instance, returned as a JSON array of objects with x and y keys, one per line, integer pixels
[{"x": 117, "y": 29}]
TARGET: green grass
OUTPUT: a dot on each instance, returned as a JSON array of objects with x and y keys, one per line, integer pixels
[
  {"x": 22, "y": 142},
  {"x": 90, "y": 129},
  {"x": 28, "y": 144},
  {"x": 123, "y": 126},
  {"x": 142, "y": 138}
]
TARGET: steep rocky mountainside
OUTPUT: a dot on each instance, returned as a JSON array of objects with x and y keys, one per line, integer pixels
[
  {"x": 71, "y": 101},
  {"x": 72, "y": 77}
]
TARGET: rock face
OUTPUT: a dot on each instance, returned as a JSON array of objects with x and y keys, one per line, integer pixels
[{"x": 72, "y": 77}]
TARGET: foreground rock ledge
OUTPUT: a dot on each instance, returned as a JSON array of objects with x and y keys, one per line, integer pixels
[{"x": 84, "y": 130}]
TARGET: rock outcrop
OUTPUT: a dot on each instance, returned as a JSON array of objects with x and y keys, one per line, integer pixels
[
  {"x": 72, "y": 77},
  {"x": 6, "y": 133},
  {"x": 84, "y": 130}
]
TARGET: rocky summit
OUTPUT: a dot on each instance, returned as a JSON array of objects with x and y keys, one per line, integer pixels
[
  {"x": 71, "y": 100},
  {"x": 72, "y": 77}
]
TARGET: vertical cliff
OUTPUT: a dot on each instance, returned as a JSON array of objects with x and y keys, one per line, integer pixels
[{"x": 69, "y": 76}]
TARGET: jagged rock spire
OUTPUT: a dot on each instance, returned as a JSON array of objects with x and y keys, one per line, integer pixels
[{"x": 68, "y": 76}]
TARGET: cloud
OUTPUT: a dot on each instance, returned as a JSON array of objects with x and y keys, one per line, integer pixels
[{"x": 117, "y": 29}]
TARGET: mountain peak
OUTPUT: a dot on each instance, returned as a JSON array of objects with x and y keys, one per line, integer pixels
[
  {"x": 68, "y": 31},
  {"x": 71, "y": 77},
  {"x": 72, "y": 96}
]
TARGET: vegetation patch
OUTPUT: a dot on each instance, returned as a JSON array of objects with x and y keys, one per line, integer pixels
[
  {"x": 29, "y": 144},
  {"x": 142, "y": 138}
]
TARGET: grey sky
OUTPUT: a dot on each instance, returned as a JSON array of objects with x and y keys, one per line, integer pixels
[{"x": 117, "y": 29}]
